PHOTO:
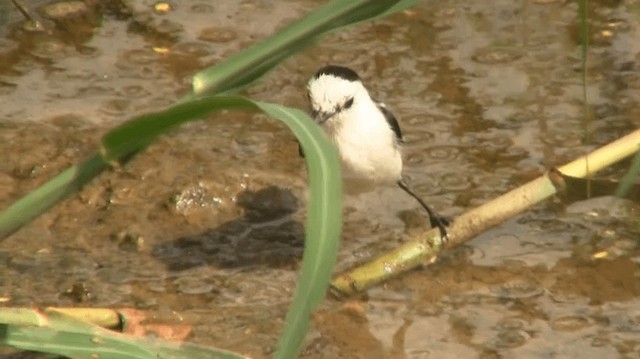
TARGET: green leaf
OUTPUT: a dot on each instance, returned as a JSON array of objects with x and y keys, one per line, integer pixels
[
  {"x": 57, "y": 333},
  {"x": 240, "y": 69},
  {"x": 323, "y": 229},
  {"x": 235, "y": 72},
  {"x": 324, "y": 217},
  {"x": 630, "y": 177},
  {"x": 46, "y": 196}
]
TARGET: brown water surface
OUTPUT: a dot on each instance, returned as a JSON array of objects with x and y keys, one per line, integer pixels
[{"x": 206, "y": 226}]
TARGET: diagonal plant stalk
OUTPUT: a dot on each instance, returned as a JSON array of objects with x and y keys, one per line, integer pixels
[{"x": 424, "y": 247}]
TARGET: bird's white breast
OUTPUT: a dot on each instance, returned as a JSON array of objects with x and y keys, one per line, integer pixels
[{"x": 367, "y": 145}]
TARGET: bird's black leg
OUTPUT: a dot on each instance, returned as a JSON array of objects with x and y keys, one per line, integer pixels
[{"x": 435, "y": 219}]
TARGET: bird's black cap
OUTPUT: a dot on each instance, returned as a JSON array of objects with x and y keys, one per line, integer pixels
[{"x": 338, "y": 71}]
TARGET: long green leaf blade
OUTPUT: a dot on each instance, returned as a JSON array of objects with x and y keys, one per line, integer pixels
[
  {"x": 56, "y": 333},
  {"x": 239, "y": 70},
  {"x": 324, "y": 219},
  {"x": 236, "y": 72},
  {"x": 629, "y": 179},
  {"x": 323, "y": 228},
  {"x": 325, "y": 206},
  {"x": 46, "y": 196}
]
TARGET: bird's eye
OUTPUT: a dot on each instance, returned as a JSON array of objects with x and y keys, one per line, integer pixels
[{"x": 349, "y": 103}]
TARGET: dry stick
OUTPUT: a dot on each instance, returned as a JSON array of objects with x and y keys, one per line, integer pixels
[{"x": 424, "y": 247}]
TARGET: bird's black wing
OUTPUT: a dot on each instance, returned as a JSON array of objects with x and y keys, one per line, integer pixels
[{"x": 391, "y": 120}]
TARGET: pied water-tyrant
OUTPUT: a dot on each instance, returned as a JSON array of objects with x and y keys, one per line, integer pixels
[{"x": 366, "y": 133}]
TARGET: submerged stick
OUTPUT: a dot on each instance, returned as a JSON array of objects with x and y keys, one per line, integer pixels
[{"x": 424, "y": 247}]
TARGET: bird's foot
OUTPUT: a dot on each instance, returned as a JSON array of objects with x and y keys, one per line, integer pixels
[{"x": 441, "y": 223}]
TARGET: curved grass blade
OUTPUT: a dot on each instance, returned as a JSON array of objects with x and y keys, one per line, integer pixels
[
  {"x": 54, "y": 332},
  {"x": 240, "y": 69},
  {"x": 324, "y": 219},
  {"x": 627, "y": 182},
  {"x": 323, "y": 228},
  {"x": 236, "y": 72},
  {"x": 46, "y": 196}
]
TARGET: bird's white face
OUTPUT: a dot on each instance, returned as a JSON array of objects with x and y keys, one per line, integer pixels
[
  {"x": 330, "y": 95},
  {"x": 360, "y": 130}
]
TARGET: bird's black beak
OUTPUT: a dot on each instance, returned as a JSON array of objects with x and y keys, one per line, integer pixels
[{"x": 322, "y": 117}]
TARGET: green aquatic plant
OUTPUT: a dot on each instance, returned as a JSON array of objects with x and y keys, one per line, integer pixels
[{"x": 122, "y": 143}]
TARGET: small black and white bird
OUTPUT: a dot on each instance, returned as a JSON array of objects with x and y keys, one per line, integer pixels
[{"x": 366, "y": 133}]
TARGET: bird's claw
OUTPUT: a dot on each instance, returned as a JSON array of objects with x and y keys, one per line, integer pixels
[{"x": 441, "y": 223}]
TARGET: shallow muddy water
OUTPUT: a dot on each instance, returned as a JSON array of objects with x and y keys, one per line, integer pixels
[{"x": 206, "y": 227}]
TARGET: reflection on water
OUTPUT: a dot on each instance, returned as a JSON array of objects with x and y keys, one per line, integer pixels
[{"x": 208, "y": 222}]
